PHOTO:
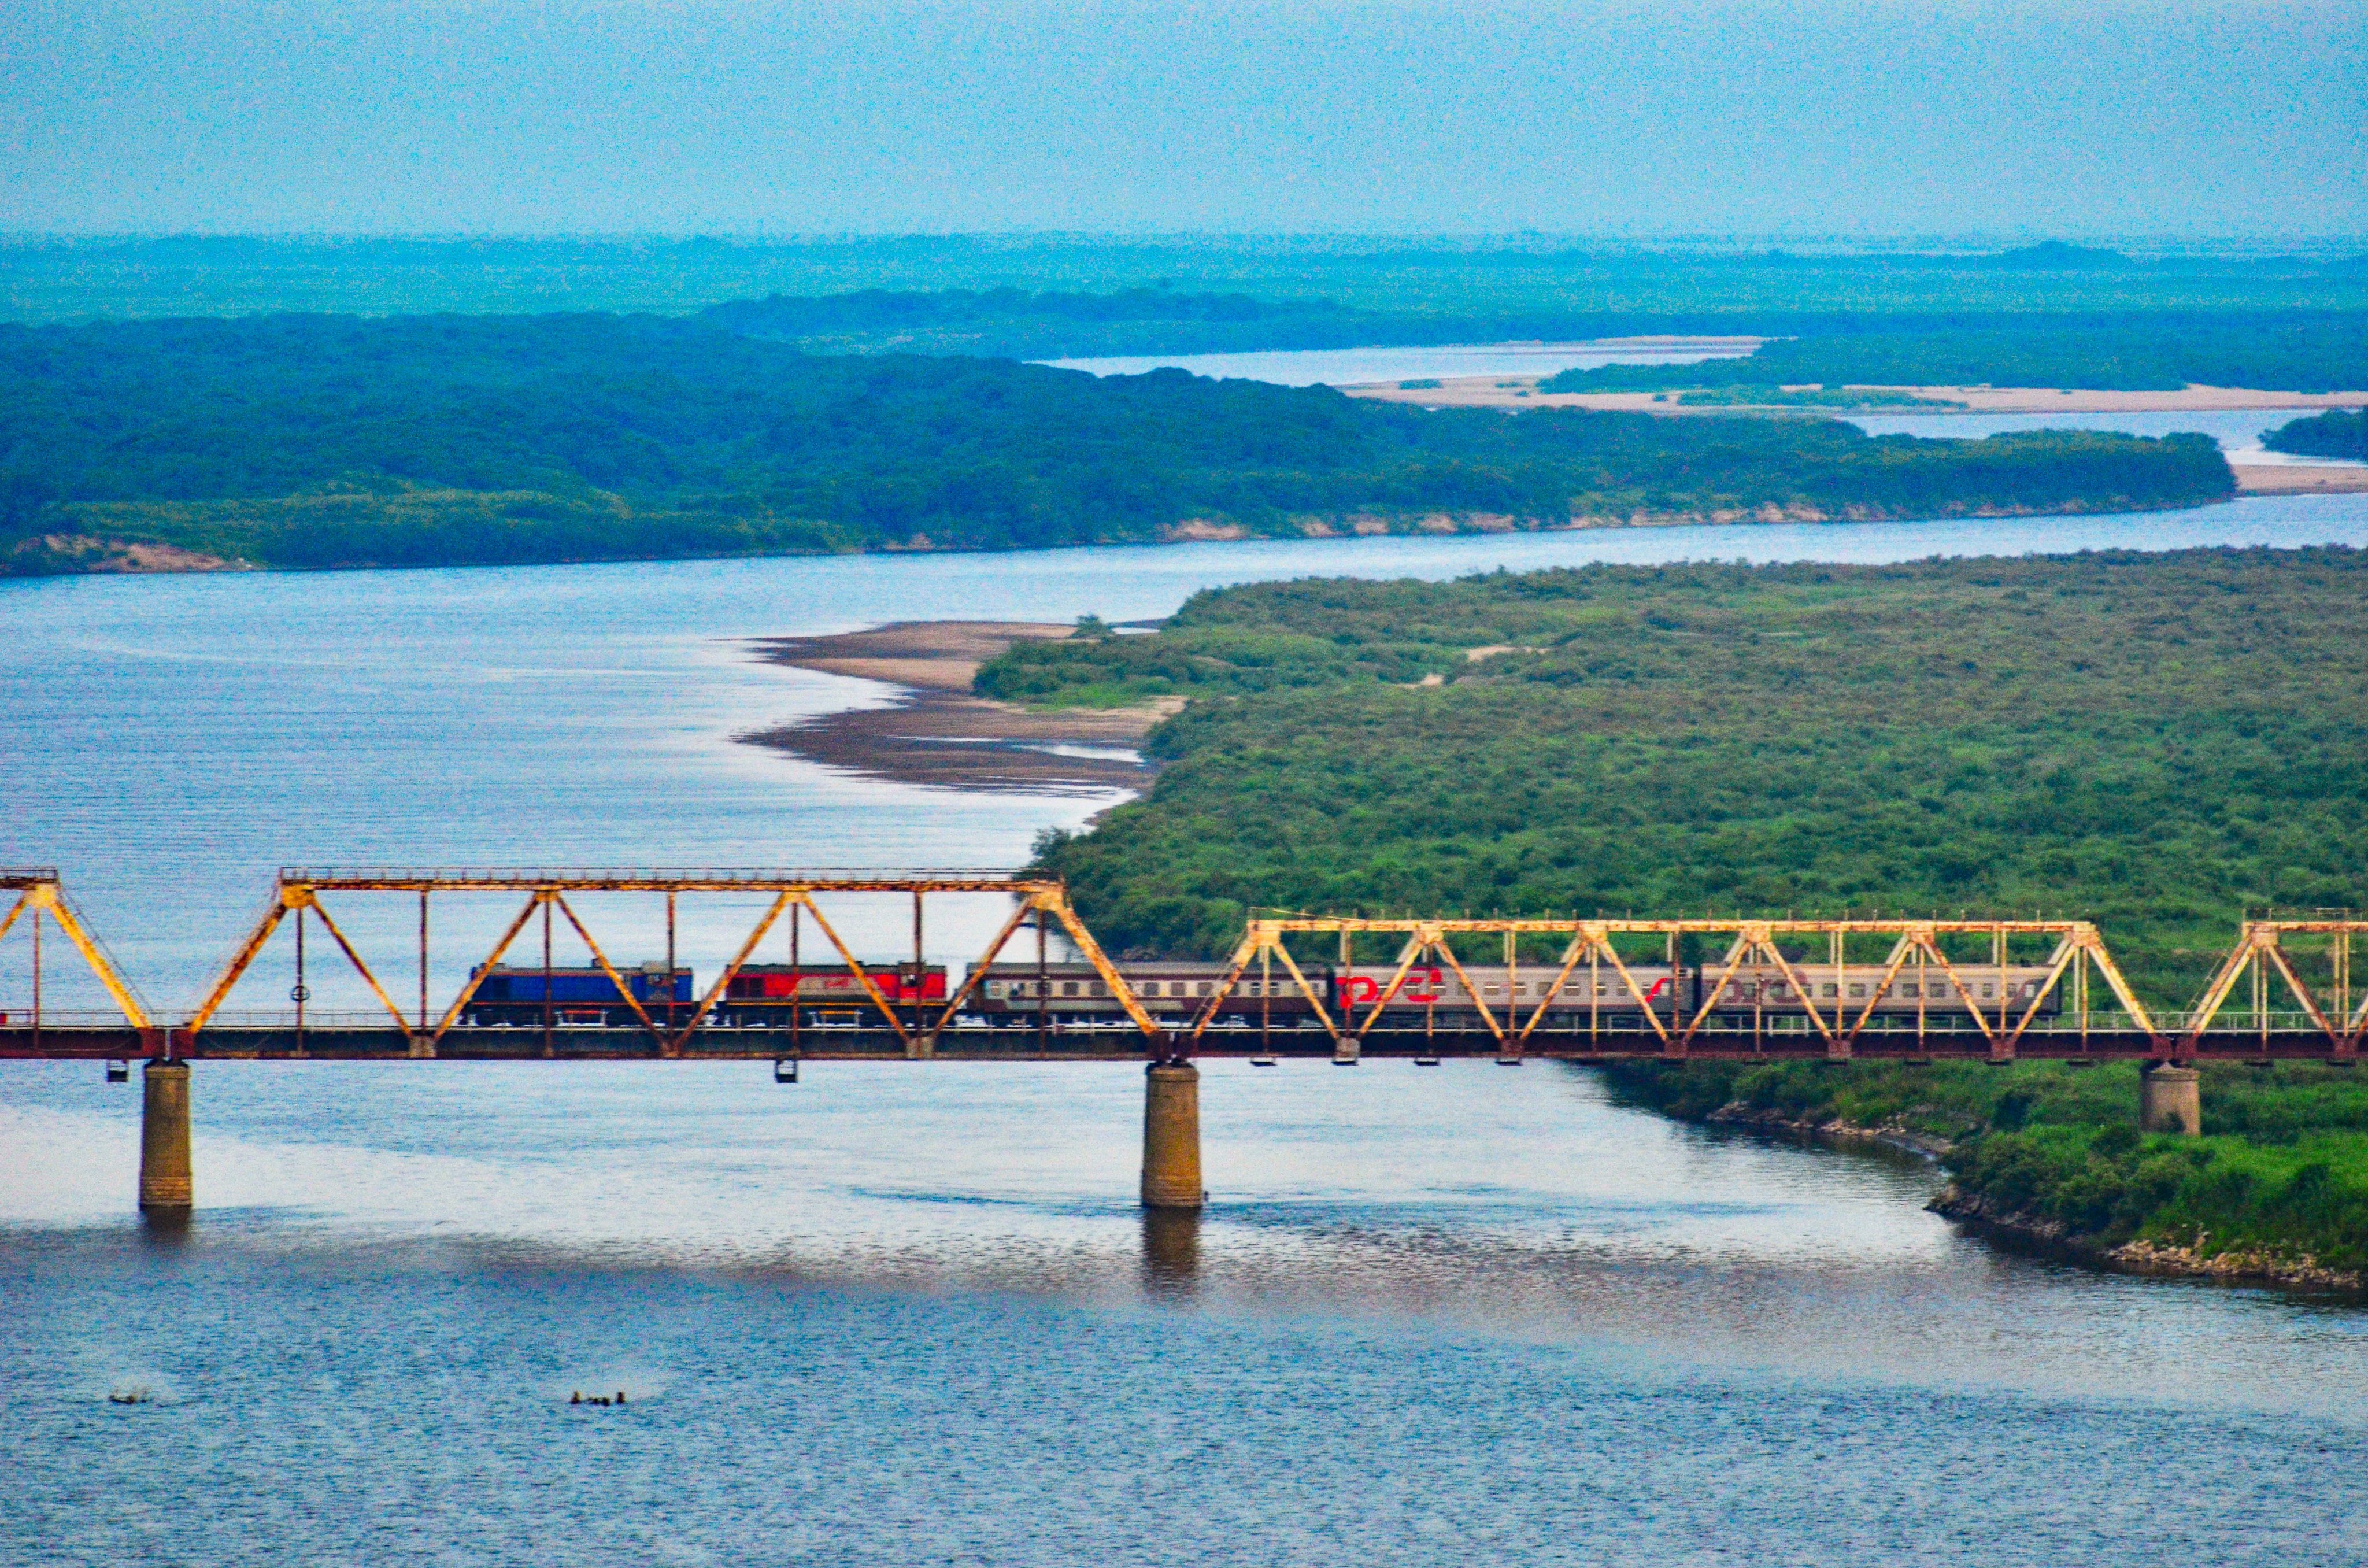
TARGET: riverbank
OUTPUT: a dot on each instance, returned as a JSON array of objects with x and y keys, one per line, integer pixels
[
  {"x": 106, "y": 554},
  {"x": 934, "y": 732},
  {"x": 2047, "y": 1158}
]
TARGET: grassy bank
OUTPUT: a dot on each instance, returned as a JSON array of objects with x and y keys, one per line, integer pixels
[
  {"x": 2157, "y": 742},
  {"x": 329, "y": 441},
  {"x": 2281, "y": 1174}
]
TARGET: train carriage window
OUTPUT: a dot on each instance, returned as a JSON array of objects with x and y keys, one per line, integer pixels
[
  {"x": 1941, "y": 991},
  {"x": 1908, "y": 991},
  {"x": 1858, "y": 989},
  {"x": 1989, "y": 990},
  {"x": 1068, "y": 988},
  {"x": 1151, "y": 988},
  {"x": 1097, "y": 988},
  {"x": 1830, "y": 988}
]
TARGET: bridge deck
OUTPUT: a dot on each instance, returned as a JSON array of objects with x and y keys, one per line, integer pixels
[{"x": 1005, "y": 1044}]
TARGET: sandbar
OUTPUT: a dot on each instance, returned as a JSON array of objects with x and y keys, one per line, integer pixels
[
  {"x": 1520, "y": 391},
  {"x": 2302, "y": 479},
  {"x": 936, "y": 733}
]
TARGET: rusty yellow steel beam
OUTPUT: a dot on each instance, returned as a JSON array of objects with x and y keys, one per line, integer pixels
[
  {"x": 597, "y": 881},
  {"x": 1685, "y": 927},
  {"x": 615, "y": 979},
  {"x": 377, "y": 990},
  {"x": 37, "y": 896}
]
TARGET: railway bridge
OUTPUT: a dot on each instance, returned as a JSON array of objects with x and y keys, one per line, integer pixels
[{"x": 1751, "y": 989}]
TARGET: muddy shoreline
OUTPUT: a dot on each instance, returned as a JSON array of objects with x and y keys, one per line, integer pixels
[{"x": 934, "y": 732}]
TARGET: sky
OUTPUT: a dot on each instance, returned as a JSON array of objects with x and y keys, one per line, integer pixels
[{"x": 1643, "y": 117}]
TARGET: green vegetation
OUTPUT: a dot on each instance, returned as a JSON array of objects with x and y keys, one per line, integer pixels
[
  {"x": 2334, "y": 434},
  {"x": 2281, "y": 1169},
  {"x": 2288, "y": 353},
  {"x": 310, "y": 441},
  {"x": 2157, "y": 742}
]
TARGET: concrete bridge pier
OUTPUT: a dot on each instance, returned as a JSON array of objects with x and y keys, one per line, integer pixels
[
  {"x": 2170, "y": 1100},
  {"x": 1171, "y": 1136},
  {"x": 164, "y": 1169}
]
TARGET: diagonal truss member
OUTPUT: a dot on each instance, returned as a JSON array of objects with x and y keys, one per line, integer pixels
[
  {"x": 2078, "y": 952},
  {"x": 299, "y": 893},
  {"x": 2259, "y": 952},
  {"x": 42, "y": 898}
]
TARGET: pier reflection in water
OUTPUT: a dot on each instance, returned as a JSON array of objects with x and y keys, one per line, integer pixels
[{"x": 1171, "y": 1251}]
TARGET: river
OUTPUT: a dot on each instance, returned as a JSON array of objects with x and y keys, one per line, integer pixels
[{"x": 910, "y": 1314}]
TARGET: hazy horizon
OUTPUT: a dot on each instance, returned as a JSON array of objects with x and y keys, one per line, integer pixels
[{"x": 1841, "y": 121}]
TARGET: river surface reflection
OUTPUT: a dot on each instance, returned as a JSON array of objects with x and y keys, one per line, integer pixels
[{"x": 911, "y": 1313}]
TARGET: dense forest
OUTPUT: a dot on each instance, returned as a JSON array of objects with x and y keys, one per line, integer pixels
[
  {"x": 2157, "y": 741},
  {"x": 2335, "y": 434},
  {"x": 2292, "y": 352},
  {"x": 310, "y": 441}
]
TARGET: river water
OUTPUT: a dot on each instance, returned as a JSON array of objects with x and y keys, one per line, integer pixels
[{"x": 899, "y": 1314}]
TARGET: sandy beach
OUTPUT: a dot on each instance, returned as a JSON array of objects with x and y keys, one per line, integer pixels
[
  {"x": 2302, "y": 479},
  {"x": 1520, "y": 391},
  {"x": 936, "y": 733}
]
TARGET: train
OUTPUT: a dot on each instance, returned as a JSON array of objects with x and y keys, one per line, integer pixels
[
  {"x": 1432, "y": 998},
  {"x": 759, "y": 994}
]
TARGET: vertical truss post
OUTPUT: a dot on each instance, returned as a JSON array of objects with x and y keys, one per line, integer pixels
[{"x": 422, "y": 968}]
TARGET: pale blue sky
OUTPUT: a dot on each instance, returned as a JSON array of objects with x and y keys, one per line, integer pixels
[{"x": 1691, "y": 116}]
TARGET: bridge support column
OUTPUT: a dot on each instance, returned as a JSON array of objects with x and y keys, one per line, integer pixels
[
  {"x": 2170, "y": 1100},
  {"x": 164, "y": 1169},
  {"x": 1171, "y": 1136}
]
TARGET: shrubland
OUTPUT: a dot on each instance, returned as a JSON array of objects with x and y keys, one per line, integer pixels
[{"x": 2157, "y": 741}]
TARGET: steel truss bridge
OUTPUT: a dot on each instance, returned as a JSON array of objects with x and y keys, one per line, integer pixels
[{"x": 2257, "y": 1006}]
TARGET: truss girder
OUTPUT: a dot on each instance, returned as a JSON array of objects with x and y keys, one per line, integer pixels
[
  {"x": 298, "y": 892},
  {"x": 1749, "y": 943}
]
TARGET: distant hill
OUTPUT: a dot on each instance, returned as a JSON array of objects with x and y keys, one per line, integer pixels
[{"x": 2056, "y": 256}]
